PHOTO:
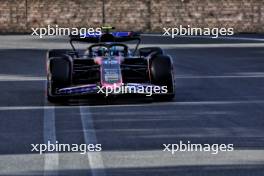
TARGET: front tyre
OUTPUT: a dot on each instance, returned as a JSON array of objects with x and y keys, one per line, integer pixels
[
  {"x": 59, "y": 76},
  {"x": 161, "y": 72}
]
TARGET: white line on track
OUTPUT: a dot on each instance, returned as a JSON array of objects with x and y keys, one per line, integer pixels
[
  {"x": 16, "y": 108},
  {"x": 8, "y": 77},
  {"x": 244, "y": 75},
  {"x": 95, "y": 159},
  {"x": 218, "y": 76},
  {"x": 51, "y": 163},
  {"x": 51, "y": 44},
  {"x": 164, "y": 46},
  {"x": 208, "y": 45},
  {"x": 157, "y": 159},
  {"x": 209, "y": 37},
  {"x": 242, "y": 38}
]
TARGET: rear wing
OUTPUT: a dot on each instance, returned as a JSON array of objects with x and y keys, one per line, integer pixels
[
  {"x": 106, "y": 37},
  {"x": 116, "y": 37}
]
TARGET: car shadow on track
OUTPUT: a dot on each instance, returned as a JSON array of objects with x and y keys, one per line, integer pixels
[{"x": 104, "y": 101}]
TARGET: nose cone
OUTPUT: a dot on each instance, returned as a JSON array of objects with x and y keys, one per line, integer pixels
[{"x": 111, "y": 72}]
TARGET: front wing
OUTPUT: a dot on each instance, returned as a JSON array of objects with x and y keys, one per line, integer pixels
[{"x": 129, "y": 88}]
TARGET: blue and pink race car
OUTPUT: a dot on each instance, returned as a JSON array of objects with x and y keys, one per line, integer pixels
[{"x": 109, "y": 64}]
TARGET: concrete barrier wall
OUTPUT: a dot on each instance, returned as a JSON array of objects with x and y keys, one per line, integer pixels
[{"x": 142, "y": 15}]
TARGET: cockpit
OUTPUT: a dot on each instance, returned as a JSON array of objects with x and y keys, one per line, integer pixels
[{"x": 108, "y": 50}]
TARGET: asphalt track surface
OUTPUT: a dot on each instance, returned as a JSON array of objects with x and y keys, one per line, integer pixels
[{"x": 219, "y": 99}]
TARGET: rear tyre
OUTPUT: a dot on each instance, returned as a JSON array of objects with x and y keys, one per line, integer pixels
[
  {"x": 161, "y": 69},
  {"x": 60, "y": 53},
  {"x": 150, "y": 50}
]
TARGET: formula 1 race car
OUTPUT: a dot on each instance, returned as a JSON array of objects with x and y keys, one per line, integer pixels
[{"x": 108, "y": 65}]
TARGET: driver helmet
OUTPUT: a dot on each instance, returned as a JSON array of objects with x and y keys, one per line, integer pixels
[{"x": 102, "y": 51}]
